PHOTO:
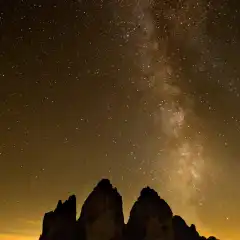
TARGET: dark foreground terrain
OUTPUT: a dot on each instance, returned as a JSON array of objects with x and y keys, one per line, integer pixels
[{"x": 102, "y": 218}]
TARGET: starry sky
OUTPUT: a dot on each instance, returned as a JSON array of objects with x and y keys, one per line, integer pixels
[{"x": 142, "y": 92}]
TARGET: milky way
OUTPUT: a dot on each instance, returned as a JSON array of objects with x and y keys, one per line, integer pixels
[
  {"x": 183, "y": 162},
  {"x": 174, "y": 48}
]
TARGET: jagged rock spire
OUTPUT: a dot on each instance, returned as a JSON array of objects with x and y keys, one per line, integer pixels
[
  {"x": 150, "y": 218},
  {"x": 102, "y": 214}
]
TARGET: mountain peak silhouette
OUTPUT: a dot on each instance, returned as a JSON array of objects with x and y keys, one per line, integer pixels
[{"x": 101, "y": 218}]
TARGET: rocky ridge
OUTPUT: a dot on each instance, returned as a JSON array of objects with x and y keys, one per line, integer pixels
[{"x": 102, "y": 218}]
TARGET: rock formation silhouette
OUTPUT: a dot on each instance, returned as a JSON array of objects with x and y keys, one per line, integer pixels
[
  {"x": 102, "y": 218},
  {"x": 150, "y": 218},
  {"x": 60, "y": 223}
]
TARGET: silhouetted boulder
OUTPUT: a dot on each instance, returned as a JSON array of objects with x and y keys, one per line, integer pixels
[
  {"x": 102, "y": 214},
  {"x": 150, "y": 218},
  {"x": 60, "y": 224}
]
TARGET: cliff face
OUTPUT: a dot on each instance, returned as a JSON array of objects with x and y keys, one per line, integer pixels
[
  {"x": 102, "y": 214},
  {"x": 150, "y": 218},
  {"x": 102, "y": 218},
  {"x": 60, "y": 224}
]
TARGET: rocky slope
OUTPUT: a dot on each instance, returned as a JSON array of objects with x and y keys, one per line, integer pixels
[
  {"x": 60, "y": 223},
  {"x": 102, "y": 218}
]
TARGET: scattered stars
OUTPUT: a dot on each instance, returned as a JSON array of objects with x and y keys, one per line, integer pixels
[{"x": 140, "y": 93}]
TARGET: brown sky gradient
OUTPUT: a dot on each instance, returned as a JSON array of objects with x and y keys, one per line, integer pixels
[{"x": 141, "y": 93}]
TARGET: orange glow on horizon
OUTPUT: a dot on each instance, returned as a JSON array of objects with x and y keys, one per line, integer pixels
[{"x": 17, "y": 237}]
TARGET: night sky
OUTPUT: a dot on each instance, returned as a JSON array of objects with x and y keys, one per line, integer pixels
[{"x": 141, "y": 92}]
